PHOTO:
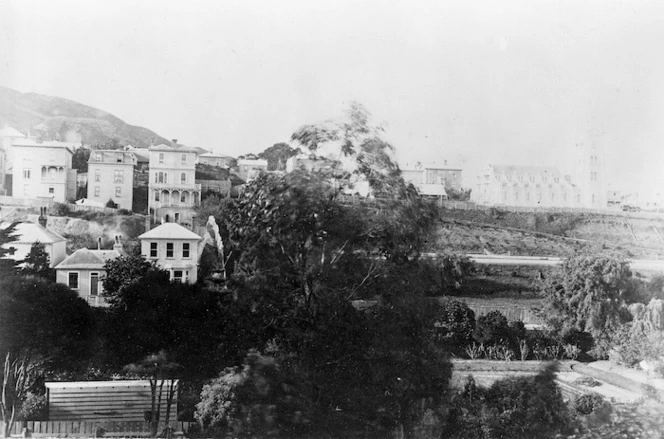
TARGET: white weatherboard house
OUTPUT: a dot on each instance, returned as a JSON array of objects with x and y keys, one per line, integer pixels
[
  {"x": 26, "y": 234},
  {"x": 83, "y": 272},
  {"x": 175, "y": 249}
]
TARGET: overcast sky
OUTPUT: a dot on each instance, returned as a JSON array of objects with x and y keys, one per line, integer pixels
[{"x": 504, "y": 82}]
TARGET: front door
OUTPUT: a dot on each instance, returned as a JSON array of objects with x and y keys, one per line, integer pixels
[{"x": 94, "y": 284}]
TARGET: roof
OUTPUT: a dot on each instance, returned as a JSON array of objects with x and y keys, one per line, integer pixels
[
  {"x": 423, "y": 166},
  {"x": 88, "y": 384},
  {"x": 49, "y": 144},
  {"x": 170, "y": 230},
  {"x": 258, "y": 162},
  {"x": 215, "y": 155},
  {"x": 109, "y": 156},
  {"x": 169, "y": 148},
  {"x": 88, "y": 259},
  {"x": 524, "y": 170},
  {"x": 10, "y": 132},
  {"x": 28, "y": 233}
]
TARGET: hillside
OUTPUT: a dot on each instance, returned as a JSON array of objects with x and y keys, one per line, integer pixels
[
  {"x": 555, "y": 234},
  {"x": 51, "y": 117}
]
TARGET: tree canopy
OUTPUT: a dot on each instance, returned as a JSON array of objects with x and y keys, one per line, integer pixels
[{"x": 277, "y": 155}]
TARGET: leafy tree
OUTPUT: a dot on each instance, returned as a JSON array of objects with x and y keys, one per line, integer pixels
[
  {"x": 160, "y": 371},
  {"x": 492, "y": 329},
  {"x": 79, "y": 159},
  {"x": 37, "y": 263},
  {"x": 455, "y": 325},
  {"x": 7, "y": 236},
  {"x": 126, "y": 271},
  {"x": 45, "y": 326},
  {"x": 112, "y": 204},
  {"x": 266, "y": 396},
  {"x": 277, "y": 155},
  {"x": 523, "y": 407},
  {"x": 360, "y": 142},
  {"x": 590, "y": 294}
]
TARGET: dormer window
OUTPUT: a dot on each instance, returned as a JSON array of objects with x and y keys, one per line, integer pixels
[
  {"x": 98, "y": 156},
  {"x": 118, "y": 157}
]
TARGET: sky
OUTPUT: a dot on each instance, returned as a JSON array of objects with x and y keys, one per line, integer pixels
[{"x": 470, "y": 82}]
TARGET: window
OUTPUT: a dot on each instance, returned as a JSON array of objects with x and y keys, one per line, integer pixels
[
  {"x": 153, "y": 250},
  {"x": 94, "y": 284},
  {"x": 118, "y": 191},
  {"x": 73, "y": 280},
  {"x": 26, "y": 174},
  {"x": 169, "y": 249},
  {"x": 98, "y": 156},
  {"x": 183, "y": 198},
  {"x": 96, "y": 191},
  {"x": 51, "y": 190},
  {"x": 97, "y": 175},
  {"x": 183, "y": 178},
  {"x": 118, "y": 157},
  {"x": 185, "y": 250},
  {"x": 156, "y": 196},
  {"x": 184, "y": 159},
  {"x": 118, "y": 176},
  {"x": 177, "y": 217},
  {"x": 178, "y": 276},
  {"x": 161, "y": 157}
]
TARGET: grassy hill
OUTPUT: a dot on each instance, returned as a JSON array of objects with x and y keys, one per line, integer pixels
[
  {"x": 556, "y": 234},
  {"x": 49, "y": 116}
]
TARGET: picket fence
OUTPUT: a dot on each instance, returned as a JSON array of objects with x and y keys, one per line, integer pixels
[{"x": 94, "y": 429}]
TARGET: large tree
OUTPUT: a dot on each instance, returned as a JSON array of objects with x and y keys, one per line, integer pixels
[
  {"x": 277, "y": 155},
  {"x": 37, "y": 263},
  {"x": 44, "y": 326},
  {"x": 357, "y": 142},
  {"x": 590, "y": 294}
]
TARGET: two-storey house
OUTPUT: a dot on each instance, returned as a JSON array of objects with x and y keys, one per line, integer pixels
[
  {"x": 173, "y": 248},
  {"x": 433, "y": 179},
  {"x": 172, "y": 189},
  {"x": 8, "y": 136},
  {"x": 83, "y": 271},
  {"x": 43, "y": 170},
  {"x": 248, "y": 169},
  {"x": 111, "y": 177}
]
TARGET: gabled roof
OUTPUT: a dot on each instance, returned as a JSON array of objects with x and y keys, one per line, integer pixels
[
  {"x": 10, "y": 132},
  {"x": 29, "y": 233},
  {"x": 88, "y": 259},
  {"x": 170, "y": 230},
  {"x": 169, "y": 148}
]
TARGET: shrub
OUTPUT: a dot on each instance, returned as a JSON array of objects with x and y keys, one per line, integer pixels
[
  {"x": 125, "y": 212},
  {"x": 59, "y": 209},
  {"x": 112, "y": 204},
  {"x": 454, "y": 325},
  {"x": 588, "y": 403},
  {"x": 492, "y": 329}
]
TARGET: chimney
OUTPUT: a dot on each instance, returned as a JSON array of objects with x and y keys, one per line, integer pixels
[
  {"x": 147, "y": 223},
  {"x": 174, "y": 143},
  {"x": 99, "y": 243},
  {"x": 118, "y": 244}
]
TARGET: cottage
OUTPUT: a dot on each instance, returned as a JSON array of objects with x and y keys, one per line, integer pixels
[
  {"x": 83, "y": 272},
  {"x": 27, "y": 234},
  {"x": 175, "y": 249}
]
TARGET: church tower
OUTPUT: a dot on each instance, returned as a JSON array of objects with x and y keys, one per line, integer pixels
[{"x": 591, "y": 176}]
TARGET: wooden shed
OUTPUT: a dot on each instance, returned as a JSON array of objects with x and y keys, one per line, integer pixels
[{"x": 126, "y": 400}]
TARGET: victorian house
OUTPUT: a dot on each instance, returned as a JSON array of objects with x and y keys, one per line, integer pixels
[
  {"x": 172, "y": 189},
  {"x": 111, "y": 176},
  {"x": 174, "y": 249}
]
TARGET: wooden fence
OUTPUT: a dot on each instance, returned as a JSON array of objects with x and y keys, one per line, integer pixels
[{"x": 92, "y": 428}]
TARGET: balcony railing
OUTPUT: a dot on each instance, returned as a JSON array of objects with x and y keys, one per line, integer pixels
[{"x": 175, "y": 187}]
